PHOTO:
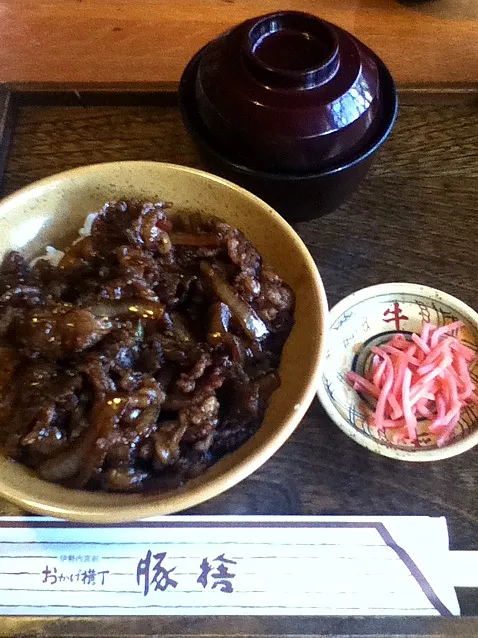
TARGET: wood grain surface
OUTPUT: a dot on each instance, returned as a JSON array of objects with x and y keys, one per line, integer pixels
[
  {"x": 119, "y": 43},
  {"x": 414, "y": 219},
  {"x": 237, "y": 626},
  {"x": 6, "y": 124}
]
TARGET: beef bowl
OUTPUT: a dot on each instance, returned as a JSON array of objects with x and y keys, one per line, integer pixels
[{"x": 158, "y": 345}]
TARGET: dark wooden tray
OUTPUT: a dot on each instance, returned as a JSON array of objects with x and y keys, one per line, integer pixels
[{"x": 414, "y": 219}]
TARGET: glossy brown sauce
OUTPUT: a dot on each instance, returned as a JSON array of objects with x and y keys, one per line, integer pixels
[{"x": 148, "y": 353}]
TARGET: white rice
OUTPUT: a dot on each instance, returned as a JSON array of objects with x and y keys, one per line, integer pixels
[
  {"x": 53, "y": 255},
  {"x": 87, "y": 226}
]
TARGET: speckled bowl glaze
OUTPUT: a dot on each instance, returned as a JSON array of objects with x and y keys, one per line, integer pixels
[
  {"x": 51, "y": 211},
  {"x": 369, "y": 318}
]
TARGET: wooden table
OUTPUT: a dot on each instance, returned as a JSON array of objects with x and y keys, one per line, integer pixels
[
  {"x": 414, "y": 219},
  {"x": 147, "y": 43}
]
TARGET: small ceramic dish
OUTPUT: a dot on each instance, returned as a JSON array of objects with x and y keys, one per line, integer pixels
[{"x": 370, "y": 317}]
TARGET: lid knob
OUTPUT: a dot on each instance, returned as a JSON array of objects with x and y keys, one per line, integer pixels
[{"x": 291, "y": 50}]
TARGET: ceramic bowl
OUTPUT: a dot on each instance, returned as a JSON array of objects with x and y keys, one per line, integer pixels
[
  {"x": 371, "y": 317},
  {"x": 289, "y": 92},
  {"x": 296, "y": 195},
  {"x": 51, "y": 211}
]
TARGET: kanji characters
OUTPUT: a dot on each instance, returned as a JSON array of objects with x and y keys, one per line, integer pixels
[
  {"x": 160, "y": 577},
  {"x": 221, "y": 577},
  {"x": 396, "y": 315}
]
